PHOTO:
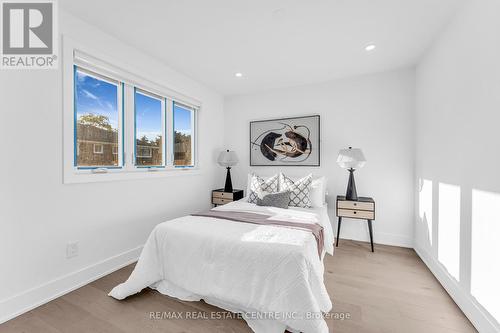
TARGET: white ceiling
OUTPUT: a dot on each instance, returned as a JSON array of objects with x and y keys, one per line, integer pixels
[{"x": 274, "y": 43}]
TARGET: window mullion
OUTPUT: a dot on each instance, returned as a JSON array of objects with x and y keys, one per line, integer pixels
[
  {"x": 121, "y": 124},
  {"x": 164, "y": 131},
  {"x": 129, "y": 128},
  {"x": 193, "y": 137},
  {"x": 170, "y": 140}
]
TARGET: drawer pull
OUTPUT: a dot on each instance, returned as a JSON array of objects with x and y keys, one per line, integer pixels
[{"x": 354, "y": 212}]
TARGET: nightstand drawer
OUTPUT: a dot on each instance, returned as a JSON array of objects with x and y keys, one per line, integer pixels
[
  {"x": 358, "y": 214},
  {"x": 356, "y": 205},
  {"x": 221, "y": 201},
  {"x": 222, "y": 195}
]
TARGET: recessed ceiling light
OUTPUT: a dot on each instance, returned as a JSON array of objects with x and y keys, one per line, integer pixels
[
  {"x": 370, "y": 47},
  {"x": 278, "y": 14},
  {"x": 238, "y": 74}
]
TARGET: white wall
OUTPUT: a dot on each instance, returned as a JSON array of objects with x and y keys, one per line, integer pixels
[
  {"x": 110, "y": 220},
  {"x": 458, "y": 143},
  {"x": 374, "y": 113}
]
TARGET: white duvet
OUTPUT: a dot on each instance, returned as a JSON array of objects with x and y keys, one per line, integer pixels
[{"x": 272, "y": 275}]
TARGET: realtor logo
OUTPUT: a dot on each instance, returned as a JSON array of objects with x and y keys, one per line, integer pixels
[{"x": 28, "y": 35}]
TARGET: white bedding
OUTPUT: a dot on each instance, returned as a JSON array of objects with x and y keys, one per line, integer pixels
[{"x": 259, "y": 271}]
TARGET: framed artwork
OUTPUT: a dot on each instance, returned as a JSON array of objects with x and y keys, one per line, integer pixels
[{"x": 285, "y": 142}]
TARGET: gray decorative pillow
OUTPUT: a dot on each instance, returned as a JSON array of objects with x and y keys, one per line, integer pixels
[
  {"x": 258, "y": 184},
  {"x": 279, "y": 199},
  {"x": 299, "y": 190}
]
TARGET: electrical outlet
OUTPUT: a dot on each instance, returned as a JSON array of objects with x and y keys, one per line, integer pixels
[{"x": 71, "y": 250}]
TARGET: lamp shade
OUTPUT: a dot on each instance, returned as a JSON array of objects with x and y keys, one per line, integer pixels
[
  {"x": 227, "y": 158},
  {"x": 352, "y": 158}
]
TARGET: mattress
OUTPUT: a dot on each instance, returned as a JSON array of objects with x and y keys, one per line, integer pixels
[{"x": 271, "y": 275}]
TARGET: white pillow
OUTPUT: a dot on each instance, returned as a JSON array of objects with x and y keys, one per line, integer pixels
[
  {"x": 249, "y": 182},
  {"x": 318, "y": 192}
]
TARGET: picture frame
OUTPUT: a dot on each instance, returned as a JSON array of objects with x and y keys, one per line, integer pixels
[{"x": 293, "y": 141}]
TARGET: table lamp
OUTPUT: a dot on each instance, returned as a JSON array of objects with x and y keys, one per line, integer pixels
[
  {"x": 228, "y": 159},
  {"x": 351, "y": 159}
]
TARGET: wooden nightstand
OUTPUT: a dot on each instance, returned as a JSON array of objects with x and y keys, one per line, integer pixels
[
  {"x": 363, "y": 209},
  {"x": 219, "y": 197}
]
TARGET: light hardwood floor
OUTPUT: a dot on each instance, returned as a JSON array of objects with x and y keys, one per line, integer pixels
[{"x": 390, "y": 290}]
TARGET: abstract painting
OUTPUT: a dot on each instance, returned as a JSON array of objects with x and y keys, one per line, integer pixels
[{"x": 285, "y": 142}]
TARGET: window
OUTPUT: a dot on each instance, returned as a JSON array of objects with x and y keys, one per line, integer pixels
[
  {"x": 144, "y": 152},
  {"x": 149, "y": 129},
  {"x": 183, "y": 135},
  {"x": 97, "y": 119},
  {"x": 118, "y": 125},
  {"x": 98, "y": 148}
]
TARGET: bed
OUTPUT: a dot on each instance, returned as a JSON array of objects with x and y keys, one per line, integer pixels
[{"x": 271, "y": 275}]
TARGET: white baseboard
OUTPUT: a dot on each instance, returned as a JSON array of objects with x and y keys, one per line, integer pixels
[
  {"x": 359, "y": 232},
  {"x": 478, "y": 316},
  {"x": 34, "y": 297}
]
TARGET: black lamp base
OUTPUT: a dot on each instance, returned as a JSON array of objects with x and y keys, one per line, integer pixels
[
  {"x": 351, "y": 193},
  {"x": 228, "y": 187}
]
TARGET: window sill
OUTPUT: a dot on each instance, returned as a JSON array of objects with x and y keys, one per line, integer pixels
[{"x": 87, "y": 176}]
